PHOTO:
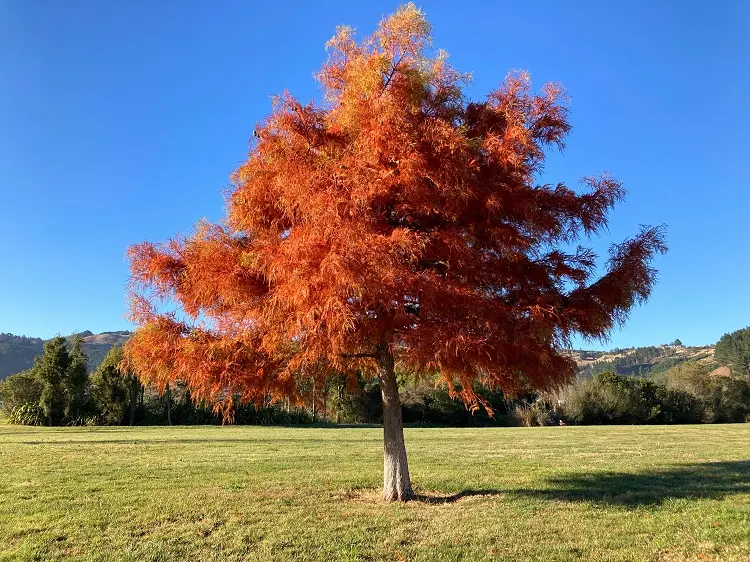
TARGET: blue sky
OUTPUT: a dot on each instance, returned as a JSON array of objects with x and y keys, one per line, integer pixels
[{"x": 121, "y": 121}]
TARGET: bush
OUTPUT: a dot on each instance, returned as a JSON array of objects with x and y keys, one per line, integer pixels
[
  {"x": 27, "y": 414},
  {"x": 522, "y": 415},
  {"x": 599, "y": 400},
  {"x": 725, "y": 399},
  {"x": 611, "y": 399},
  {"x": 110, "y": 392},
  {"x": 248, "y": 414},
  {"x": 423, "y": 402},
  {"x": 681, "y": 407},
  {"x": 540, "y": 412},
  {"x": 19, "y": 390},
  {"x": 362, "y": 404}
]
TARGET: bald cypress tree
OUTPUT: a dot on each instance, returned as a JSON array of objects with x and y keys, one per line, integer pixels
[{"x": 396, "y": 224}]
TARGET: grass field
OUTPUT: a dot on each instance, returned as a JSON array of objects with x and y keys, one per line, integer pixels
[{"x": 249, "y": 493}]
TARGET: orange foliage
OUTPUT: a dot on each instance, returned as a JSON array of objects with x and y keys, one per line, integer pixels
[{"x": 397, "y": 213}]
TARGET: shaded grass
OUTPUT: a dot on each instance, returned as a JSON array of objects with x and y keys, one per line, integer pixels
[{"x": 249, "y": 493}]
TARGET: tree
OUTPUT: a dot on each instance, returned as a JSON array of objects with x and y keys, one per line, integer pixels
[
  {"x": 52, "y": 369},
  {"x": 117, "y": 388},
  {"x": 111, "y": 390},
  {"x": 677, "y": 343},
  {"x": 76, "y": 382},
  {"x": 168, "y": 400},
  {"x": 725, "y": 398},
  {"x": 733, "y": 350},
  {"x": 396, "y": 223}
]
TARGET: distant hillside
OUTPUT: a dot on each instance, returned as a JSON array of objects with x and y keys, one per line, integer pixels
[
  {"x": 17, "y": 353},
  {"x": 639, "y": 360}
]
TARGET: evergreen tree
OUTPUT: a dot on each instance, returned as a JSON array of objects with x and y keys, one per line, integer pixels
[
  {"x": 109, "y": 390},
  {"x": 733, "y": 350},
  {"x": 52, "y": 368},
  {"x": 76, "y": 383},
  {"x": 115, "y": 392}
]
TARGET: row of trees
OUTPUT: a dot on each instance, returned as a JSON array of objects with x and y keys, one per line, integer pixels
[
  {"x": 637, "y": 360},
  {"x": 54, "y": 390},
  {"x": 59, "y": 391}
]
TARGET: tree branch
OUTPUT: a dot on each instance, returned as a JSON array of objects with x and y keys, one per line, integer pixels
[
  {"x": 392, "y": 72},
  {"x": 359, "y": 355}
]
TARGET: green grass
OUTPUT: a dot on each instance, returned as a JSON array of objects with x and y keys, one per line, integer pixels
[{"x": 248, "y": 493}]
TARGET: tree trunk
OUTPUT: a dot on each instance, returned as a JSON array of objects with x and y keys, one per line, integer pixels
[
  {"x": 169, "y": 405},
  {"x": 338, "y": 403},
  {"x": 133, "y": 403},
  {"x": 325, "y": 403},
  {"x": 313, "y": 400},
  {"x": 396, "y": 480}
]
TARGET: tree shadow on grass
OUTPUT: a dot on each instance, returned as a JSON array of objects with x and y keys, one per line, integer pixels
[
  {"x": 714, "y": 480},
  {"x": 439, "y": 499}
]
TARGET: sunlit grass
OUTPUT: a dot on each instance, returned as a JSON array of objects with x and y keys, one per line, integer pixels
[{"x": 249, "y": 493}]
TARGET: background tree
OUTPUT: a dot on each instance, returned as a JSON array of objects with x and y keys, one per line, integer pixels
[
  {"x": 724, "y": 398},
  {"x": 52, "y": 369},
  {"x": 396, "y": 223},
  {"x": 76, "y": 383},
  {"x": 111, "y": 390},
  {"x": 21, "y": 389},
  {"x": 168, "y": 403},
  {"x": 733, "y": 350}
]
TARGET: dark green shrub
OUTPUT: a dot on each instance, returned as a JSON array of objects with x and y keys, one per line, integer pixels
[
  {"x": 611, "y": 399},
  {"x": 18, "y": 390},
  {"x": 423, "y": 402}
]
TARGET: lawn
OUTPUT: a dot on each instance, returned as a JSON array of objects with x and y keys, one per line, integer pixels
[{"x": 250, "y": 493}]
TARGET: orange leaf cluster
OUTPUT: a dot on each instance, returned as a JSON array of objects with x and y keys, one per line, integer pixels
[{"x": 398, "y": 213}]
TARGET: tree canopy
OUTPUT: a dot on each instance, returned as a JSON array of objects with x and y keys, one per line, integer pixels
[
  {"x": 395, "y": 222},
  {"x": 733, "y": 350}
]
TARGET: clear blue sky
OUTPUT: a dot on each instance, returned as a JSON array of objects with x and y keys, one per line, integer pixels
[{"x": 121, "y": 121}]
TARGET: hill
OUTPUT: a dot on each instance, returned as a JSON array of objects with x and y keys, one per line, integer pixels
[
  {"x": 17, "y": 353},
  {"x": 640, "y": 360}
]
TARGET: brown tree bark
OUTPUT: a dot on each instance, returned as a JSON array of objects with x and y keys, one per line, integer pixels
[
  {"x": 314, "y": 413},
  {"x": 396, "y": 480},
  {"x": 169, "y": 405},
  {"x": 338, "y": 402},
  {"x": 325, "y": 403},
  {"x": 133, "y": 402}
]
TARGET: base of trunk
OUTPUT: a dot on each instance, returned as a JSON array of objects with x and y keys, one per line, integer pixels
[{"x": 396, "y": 481}]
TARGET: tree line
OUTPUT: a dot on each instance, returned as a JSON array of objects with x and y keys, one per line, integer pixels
[{"x": 58, "y": 390}]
